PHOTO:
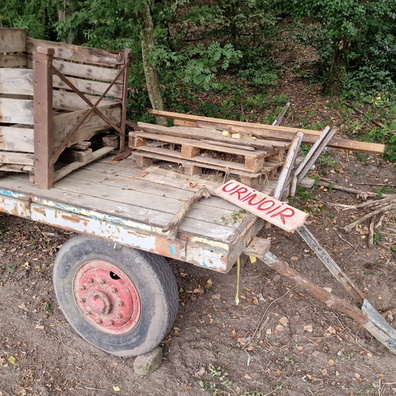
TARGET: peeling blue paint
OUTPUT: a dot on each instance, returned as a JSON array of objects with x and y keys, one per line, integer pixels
[{"x": 171, "y": 248}]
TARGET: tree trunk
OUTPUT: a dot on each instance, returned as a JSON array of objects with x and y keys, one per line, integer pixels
[
  {"x": 63, "y": 13},
  {"x": 148, "y": 46},
  {"x": 338, "y": 68}
]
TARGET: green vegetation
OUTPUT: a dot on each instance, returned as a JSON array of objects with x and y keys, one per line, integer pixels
[
  {"x": 219, "y": 58},
  {"x": 221, "y": 385}
]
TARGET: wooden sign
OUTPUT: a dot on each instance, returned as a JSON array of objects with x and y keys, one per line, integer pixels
[{"x": 270, "y": 209}]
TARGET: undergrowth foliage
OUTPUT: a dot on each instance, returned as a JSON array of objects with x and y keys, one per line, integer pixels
[{"x": 215, "y": 58}]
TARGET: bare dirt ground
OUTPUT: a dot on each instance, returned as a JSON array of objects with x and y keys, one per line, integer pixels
[{"x": 277, "y": 341}]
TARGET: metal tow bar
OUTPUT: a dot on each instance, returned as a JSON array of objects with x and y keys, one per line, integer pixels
[{"x": 361, "y": 311}]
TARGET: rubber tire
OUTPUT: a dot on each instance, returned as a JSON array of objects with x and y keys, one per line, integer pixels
[{"x": 150, "y": 274}]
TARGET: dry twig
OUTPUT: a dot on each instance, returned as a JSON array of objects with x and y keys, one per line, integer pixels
[
  {"x": 360, "y": 193},
  {"x": 382, "y": 209}
]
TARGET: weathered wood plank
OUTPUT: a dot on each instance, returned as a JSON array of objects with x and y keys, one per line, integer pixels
[
  {"x": 89, "y": 86},
  {"x": 17, "y": 139},
  {"x": 212, "y": 134},
  {"x": 200, "y": 235},
  {"x": 77, "y": 53},
  {"x": 70, "y": 101},
  {"x": 171, "y": 188},
  {"x": 12, "y": 40},
  {"x": 16, "y": 111},
  {"x": 78, "y": 164},
  {"x": 10, "y": 157},
  {"x": 271, "y": 131},
  {"x": 199, "y": 160},
  {"x": 14, "y": 60},
  {"x": 86, "y": 71},
  {"x": 198, "y": 144},
  {"x": 16, "y": 81},
  {"x": 43, "y": 118},
  {"x": 268, "y": 208},
  {"x": 65, "y": 123},
  {"x": 142, "y": 201},
  {"x": 16, "y": 168}
]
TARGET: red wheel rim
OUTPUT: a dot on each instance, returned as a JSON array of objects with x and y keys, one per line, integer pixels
[{"x": 106, "y": 297}]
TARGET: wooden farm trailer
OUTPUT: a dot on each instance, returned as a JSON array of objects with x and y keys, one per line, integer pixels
[{"x": 112, "y": 281}]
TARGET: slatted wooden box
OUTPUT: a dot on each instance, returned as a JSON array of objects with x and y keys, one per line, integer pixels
[{"x": 52, "y": 96}]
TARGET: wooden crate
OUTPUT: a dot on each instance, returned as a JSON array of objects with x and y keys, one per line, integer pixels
[{"x": 53, "y": 96}]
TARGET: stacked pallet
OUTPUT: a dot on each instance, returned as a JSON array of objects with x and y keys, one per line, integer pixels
[{"x": 198, "y": 149}]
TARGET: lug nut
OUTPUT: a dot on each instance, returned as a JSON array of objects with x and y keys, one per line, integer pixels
[
  {"x": 84, "y": 287},
  {"x": 83, "y": 300},
  {"x": 102, "y": 281},
  {"x": 99, "y": 321},
  {"x": 114, "y": 290},
  {"x": 119, "y": 316},
  {"x": 91, "y": 280}
]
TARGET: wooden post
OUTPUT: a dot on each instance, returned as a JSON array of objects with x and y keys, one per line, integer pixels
[
  {"x": 127, "y": 60},
  {"x": 43, "y": 117}
]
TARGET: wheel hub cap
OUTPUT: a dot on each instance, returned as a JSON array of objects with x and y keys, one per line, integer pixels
[{"x": 106, "y": 297}]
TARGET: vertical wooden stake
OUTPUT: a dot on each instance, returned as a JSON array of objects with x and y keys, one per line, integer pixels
[
  {"x": 127, "y": 60},
  {"x": 43, "y": 117}
]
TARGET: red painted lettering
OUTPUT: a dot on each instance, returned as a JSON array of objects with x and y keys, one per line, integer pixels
[
  {"x": 273, "y": 210},
  {"x": 224, "y": 188},
  {"x": 270, "y": 202},
  {"x": 240, "y": 191},
  {"x": 283, "y": 214},
  {"x": 250, "y": 197}
]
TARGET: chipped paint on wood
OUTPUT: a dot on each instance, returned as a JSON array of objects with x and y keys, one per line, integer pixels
[
  {"x": 14, "y": 206},
  {"x": 12, "y": 194},
  {"x": 99, "y": 216},
  {"x": 197, "y": 250},
  {"x": 204, "y": 253}
]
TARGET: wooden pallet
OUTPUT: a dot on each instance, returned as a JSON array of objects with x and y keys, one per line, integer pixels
[
  {"x": 206, "y": 154},
  {"x": 253, "y": 179}
]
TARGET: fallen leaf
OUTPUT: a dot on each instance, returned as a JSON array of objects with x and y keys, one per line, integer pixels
[
  {"x": 283, "y": 321},
  {"x": 359, "y": 377},
  {"x": 116, "y": 388},
  {"x": 294, "y": 258},
  {"x": 300, "y": 348},
  {"x": 216, "y": 296},
  {"x": 279, "y": 328},
  {"x": 324, "y": 372},
  {"x": 247, "y": 376},
  {"x": 331, "y": 362},
  {"x": 12, "y": 359},
  {"x": 308, "y": 328},
  {"x": 200, "y": 372}
]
